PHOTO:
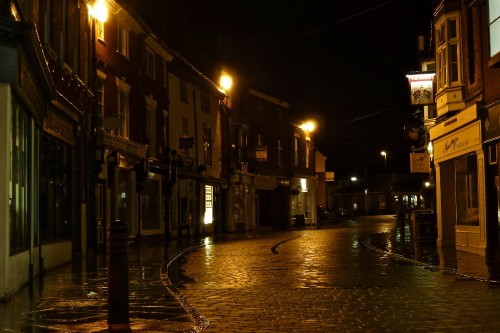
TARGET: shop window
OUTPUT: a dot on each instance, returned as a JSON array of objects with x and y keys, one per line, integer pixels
[
  {"x": 151, "y": 207},
  {"x": 21, "y": 180},
  {"x": 55, "y": 190},
  {"x": 467, "y": 194},
  {"x": 208, "y": 219},
  {"x": 492, "y": 154}
]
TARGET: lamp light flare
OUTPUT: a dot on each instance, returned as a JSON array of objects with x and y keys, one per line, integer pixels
[
  {"x": 308, "y": 126},
  {"x": 226, "y": 82},
  {"x": 99, "y": 11}
]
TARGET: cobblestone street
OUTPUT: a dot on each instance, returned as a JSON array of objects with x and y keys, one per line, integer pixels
[{"x": 326, "y": 280}]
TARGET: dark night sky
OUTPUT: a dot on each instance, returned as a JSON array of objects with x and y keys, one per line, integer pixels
[{"x": 341, "y": 62}]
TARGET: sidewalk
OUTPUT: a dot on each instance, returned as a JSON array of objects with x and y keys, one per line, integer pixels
[
  {"x": 399, "y": 243},
  {"x": 73, "y": 298}
]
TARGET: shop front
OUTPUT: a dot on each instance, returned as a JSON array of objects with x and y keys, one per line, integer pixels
[
  {"x": 303, "y": 200},
  {"x": 491, "y": 136},
  {"x": 242, "y": 206},
  {"x": 460, "y": 182}
]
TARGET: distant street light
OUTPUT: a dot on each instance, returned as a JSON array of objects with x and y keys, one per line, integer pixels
[{"x": 383, "y": 153}]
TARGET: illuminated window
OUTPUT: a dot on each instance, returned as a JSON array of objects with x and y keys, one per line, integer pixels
[
  {"x": 494, "y": 23},
  {"x": 99, "y": 29},
  {"x": 122, "y": 41},
  {"x": 448, "y": 52},
  {"x": 209, "y": 199}
]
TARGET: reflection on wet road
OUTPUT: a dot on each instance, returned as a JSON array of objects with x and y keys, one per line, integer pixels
[{"x": 326, "y": 280}]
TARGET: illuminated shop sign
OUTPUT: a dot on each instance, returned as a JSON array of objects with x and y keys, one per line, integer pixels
[
  {"x": 421, "y": 88},
  {"x": 420, "y": 163}
]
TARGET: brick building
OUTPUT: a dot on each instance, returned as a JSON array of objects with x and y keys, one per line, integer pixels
[{"x": 466, "y": 131}]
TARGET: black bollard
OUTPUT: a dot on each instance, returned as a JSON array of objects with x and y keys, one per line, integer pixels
[{"x": 118, "y": 305}]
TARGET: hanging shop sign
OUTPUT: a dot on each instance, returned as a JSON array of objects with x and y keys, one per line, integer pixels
[
  {"x": 420, "y": 163},
  {"x": 258, "y": 154},
  {"x": 421, "y": 88}
]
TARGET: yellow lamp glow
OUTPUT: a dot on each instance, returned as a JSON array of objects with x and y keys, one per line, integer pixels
[
  {"x": 226, "y": 82},
  {"x": 99, "y": 11},
  {"x": 308, "y": 126}
]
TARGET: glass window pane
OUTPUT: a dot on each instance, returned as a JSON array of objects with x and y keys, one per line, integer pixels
[{"x": 452, "y": 28}]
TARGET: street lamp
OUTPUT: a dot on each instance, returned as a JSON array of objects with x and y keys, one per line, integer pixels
[
  {"x": 383, "y": 153},
  {"x": 99, "y": 11},
  {"x": 226, "y": 82},
  {"x": 308, "y": 126}
]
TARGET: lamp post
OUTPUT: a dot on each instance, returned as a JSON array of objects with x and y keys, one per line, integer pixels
[{"x": 383, "y": 153}]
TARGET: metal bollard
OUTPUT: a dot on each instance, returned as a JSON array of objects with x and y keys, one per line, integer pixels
[{"x": 118, "y": 302}]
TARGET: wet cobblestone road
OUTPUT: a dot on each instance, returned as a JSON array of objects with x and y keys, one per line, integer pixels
[{"x": 326, "y": 280}]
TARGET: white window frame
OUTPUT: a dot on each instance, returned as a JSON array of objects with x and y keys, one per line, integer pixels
[
  {"x": 123, "y": 109},
  {"x": 123, "y": 41},
  {"x": 150, "y": 63},
  {"x": 448, "y": 46},
  {"x": 99, "y": 96}
]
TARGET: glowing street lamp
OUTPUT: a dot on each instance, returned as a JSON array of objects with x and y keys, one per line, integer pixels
[
  {"x": 99, "y": 11},
  {"x": 226, "y": 82},
  {"x": 383, "y": 153},
  {"x": 308, "y": 126}
]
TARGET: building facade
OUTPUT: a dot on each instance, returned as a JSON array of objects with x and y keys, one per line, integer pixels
[
  {"x": 196, "y": 202},
  {"x": 468, "y": 87},
  {"x": 102, "y": 121},
  {"x": 45, "y": 104}
]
